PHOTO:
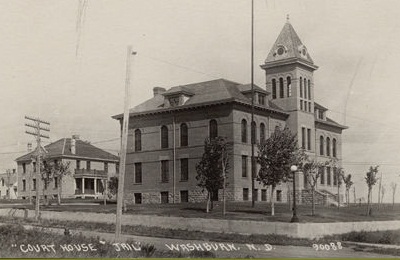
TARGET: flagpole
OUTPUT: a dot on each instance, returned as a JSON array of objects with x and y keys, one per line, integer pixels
[{"x": 252, "y": 125}]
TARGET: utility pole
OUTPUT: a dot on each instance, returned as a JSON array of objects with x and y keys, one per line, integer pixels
[
  {"x": 8, "y": 183},
  {"x": 379, "y": 192},
  {"x": 252, "y": 125},
  {"x": 125, "y": 125},
  {"x": 37, "y": 133}
]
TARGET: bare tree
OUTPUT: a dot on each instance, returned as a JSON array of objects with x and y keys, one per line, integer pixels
[
  {"x": 371, "y": 180},
  {"x": 393, "y": 185},
  {"x": 348, "y": 183}
]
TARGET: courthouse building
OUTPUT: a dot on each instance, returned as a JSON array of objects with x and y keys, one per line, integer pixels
[{"x": 167, "y": 132}]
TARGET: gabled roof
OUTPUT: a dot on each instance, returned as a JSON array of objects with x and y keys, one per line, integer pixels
[
  {"x": 292, "y": 44},
  {"x": 62, "y": 149},
  {"x": 320, "y": 107},
  {"x": 202, "y": 93},
  {"x": 330, "y": 122}
]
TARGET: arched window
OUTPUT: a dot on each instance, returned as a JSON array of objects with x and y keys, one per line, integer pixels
[
  {"x": 138, "y": 140},
  {"x": 334, "y": 147},
  {"x": 301, "y": 87},
  {"x": 273, "y": 88},
  {"x": 281, "y": 90},
  {"x": 289, "y": 86},
  {"x": 213, "y": 129},
  {"x": 262, "y": 132},
  {"x": 321, "y": 145},
  {"x": 184, "y": 134},
  {"x": 309, "y": 90},
  {"x": 253, "y": 132},
  {"x": 328, "y": 146},
  {"x": 164, "y": 137},
  {"x": 305, "y": 88},
  {"x": 244, "y": 131}
]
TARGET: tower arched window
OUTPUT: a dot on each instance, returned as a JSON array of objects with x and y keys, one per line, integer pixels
[
  {"x": 305, "y": 88},
  {"x": 138, "y": 140},
  {"x": 309, "y": 89},
  {"x": 244, "y": 131},
  {"x": 213, "y": 128},
  {"x": 184, "y": 134},
  {"x": 273, "y": 88},
  {"x": 164, "y": 137},
  {"x": 334, "y": 148},
  {"x": 301, "y": 87},
  {"x": 281, "y": 90},
  {"x": 262, "y": 132},
  {"x": 289, "y": 86},
  {"x": 321, "y": 145},
  {"x": 328, "y": 146},
  {"x": 253, "y": 132}
]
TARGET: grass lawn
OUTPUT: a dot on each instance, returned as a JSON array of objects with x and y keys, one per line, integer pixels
[{"x": 239, "y": 211}]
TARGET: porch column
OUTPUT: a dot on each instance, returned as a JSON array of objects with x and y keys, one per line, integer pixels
[
  {"x": 95, "y": 186},
  {"x": 83, "y": 185}
]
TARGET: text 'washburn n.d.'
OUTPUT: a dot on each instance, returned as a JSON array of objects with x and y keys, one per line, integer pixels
[{"x": 167, "y": 132}]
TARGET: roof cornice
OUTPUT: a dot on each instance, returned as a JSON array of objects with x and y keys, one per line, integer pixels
[{"x": 284, "y": 62}]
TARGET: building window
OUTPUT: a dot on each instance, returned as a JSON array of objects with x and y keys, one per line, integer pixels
[
  {"x": 138, "y": 198},
  {"x": 78, "y": 164},
  {"x": 279, "y": 195},
  {"x": 309, "y": 106},
  {"x": 328, "y": 146},
  {"x": 164, "y": 197},
  {"x": 2, "y": 182},
  {"x": 321, "y": 114},
  {"x": 116, "y": 167},
  {"x": 164, "y": 137},
  {"x": 138, "y": 140},
  {"x": 23, "y": 185},
  {"x": 263, "y": 195},
  {"x": 184, "y": 135},
  {"x": 262, "y": 132},
  {"x": 305, "y": 180},
  {"x": 309, "y": 90},
  {"x": 213, "y": 129},
  {"x": 273, "y": 89},
  {"x": 322, "y": 175},
  {"x": 164, "y": 171},
  {"x": 289, "y": 86},
  {"x": 106, "y": 167},
  {"x": 245, "y": 194},
  {"x": 281, "y": 90},
  {"x": 335, "y": 176},
  {"x": 34, "y": 184},
  {"x": 261, "y": 99},
  {"x": 303, "y": 138},
  {"x": 56, "y": 183},
  {"x": 253, "y": 132},
  {"x": 321, "y": 145},
  {"x": 184, "y": 169},
  {"x": 23, "y": 167},
  {"x": 328, "y": 175},
  {"x": 334, "y": 147},
  {"x": 244, "y": 131},
  {"x": 138, "y": 173},
  {"x": 308, "y": 139},
  {"x": 87, "y": 165},
  {"x": 305, "y": 88},
  {"x": 244, "y": 166},
  {"x": 34, "y": 166},
  {"x": 184, "y": 196},
  {"x": 301, "y": 104},
  {"x": 301, "y": 87}
]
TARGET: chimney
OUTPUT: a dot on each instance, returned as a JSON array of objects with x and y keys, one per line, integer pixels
[
  {"x": 73, "y": 144},
  {"x": 76, "y": 137},
  {"x": 29, "y": 147},
  {"x": 158, "y": 91}
]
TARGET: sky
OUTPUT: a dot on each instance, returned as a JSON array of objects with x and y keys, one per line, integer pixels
[{"x": 64, "y": 61}]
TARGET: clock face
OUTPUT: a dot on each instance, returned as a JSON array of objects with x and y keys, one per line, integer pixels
[{"x": 281, "y": 50}]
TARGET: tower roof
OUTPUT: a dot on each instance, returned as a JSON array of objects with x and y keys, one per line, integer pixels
[{"x": 287, "y": 46}]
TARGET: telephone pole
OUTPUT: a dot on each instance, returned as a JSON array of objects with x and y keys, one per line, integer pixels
[
  {"x": 36, "y": 125},
  {"x": 122, "y": 161}
]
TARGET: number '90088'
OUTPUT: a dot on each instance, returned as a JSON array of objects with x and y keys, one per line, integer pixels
[{"x": 327, "y": 247}]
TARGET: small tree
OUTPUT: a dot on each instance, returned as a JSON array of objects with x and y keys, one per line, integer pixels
[
  {"x": 312, "y": 170},
  {"x": 113, "y": 186},
  {"x": 393, "y": 185},
  {"x": 211, "y": 170},
  {"x": 383, "y": 190},
  {"x": 54, "y": 171},
  {"x": 371, "y": 180},
  {"x": 348, "y": 183},
  {"x": 47, "y": 176},
  {"x": 275, "y": 156}
]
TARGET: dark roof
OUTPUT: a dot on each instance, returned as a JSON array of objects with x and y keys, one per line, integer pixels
[
  {"x": 208, "y": 92},
  {"x": 292, "y": 43},
  {"x": 247, "y": 88},
  {"x": 330, "y": 122},
  {"x": 62, "y": 148}
]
